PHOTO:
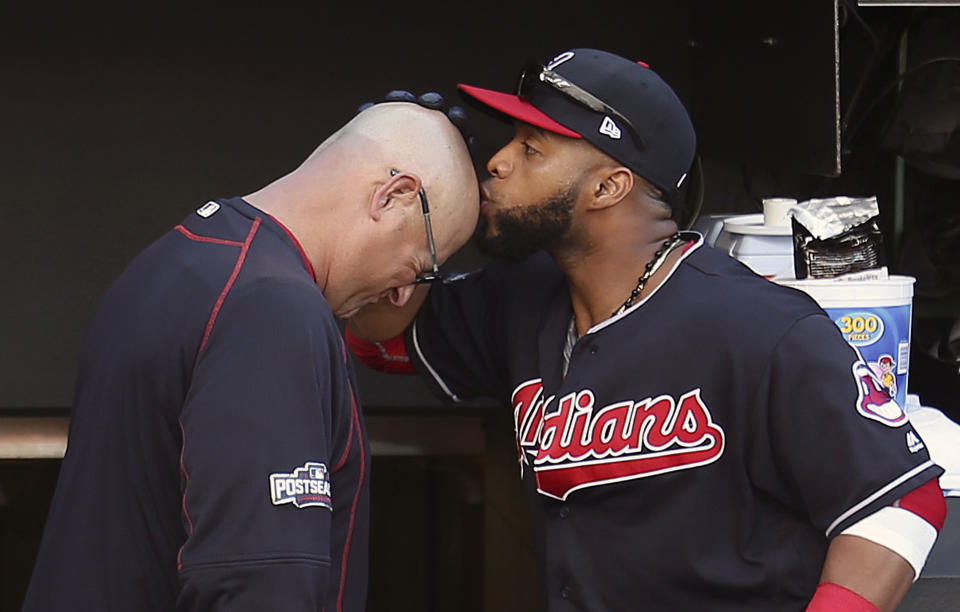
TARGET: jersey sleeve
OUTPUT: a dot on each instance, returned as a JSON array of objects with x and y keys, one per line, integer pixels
[
  {"x": 258, "y": 432},
  {"x": 454, "y": 341},
  {"x": 827, "y": 442}
]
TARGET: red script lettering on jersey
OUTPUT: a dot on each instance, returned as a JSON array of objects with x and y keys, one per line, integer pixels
[{"x": 573, "y": 445}]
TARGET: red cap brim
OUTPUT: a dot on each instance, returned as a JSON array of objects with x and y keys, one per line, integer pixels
[{"x": 512, "y": 105}]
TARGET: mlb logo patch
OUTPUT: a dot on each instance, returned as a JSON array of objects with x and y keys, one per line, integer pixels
[
  {"x": 306, "y": 486},
  {"x": 208, "y": 209}
]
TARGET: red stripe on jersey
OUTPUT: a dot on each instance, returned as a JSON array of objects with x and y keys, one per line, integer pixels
[
  {"x": 354, "y": 424},
  {"x": 226, "y": 288},
  {"x": 388, "y": 356},
  {"x": 353, "y": 507},
  {"x": 199, "y": 238},
  {"x": 296, "y": 243},
  {"x": 183, "y": 501},
  {"x": 346, "y": 448},
  {"x": 926, "y": 502},
  {"x": 559, "y": 481}
]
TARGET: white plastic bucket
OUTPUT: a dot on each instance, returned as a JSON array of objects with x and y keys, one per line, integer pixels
[
  {"x": 874, "y": 316},
  {"x": 765, "y": 249}
]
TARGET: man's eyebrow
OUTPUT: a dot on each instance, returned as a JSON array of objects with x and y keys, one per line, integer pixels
[{"x": 539, "y": 130}]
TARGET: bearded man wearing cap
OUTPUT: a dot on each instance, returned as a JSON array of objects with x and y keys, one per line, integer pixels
[{"x": 690, "y": 435}]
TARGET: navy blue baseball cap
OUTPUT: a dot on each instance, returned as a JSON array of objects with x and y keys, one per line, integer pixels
[{"x": 620, "y": 106}]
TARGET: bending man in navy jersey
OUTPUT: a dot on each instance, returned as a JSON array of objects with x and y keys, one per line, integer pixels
[
  {"x": 217, "y": 459},
  {"x": 691, "y": 436}
]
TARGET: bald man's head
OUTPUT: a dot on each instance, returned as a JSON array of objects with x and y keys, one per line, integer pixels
[
  {"x": 410, "y": 138},
  {"x": 355, "y": 206}
]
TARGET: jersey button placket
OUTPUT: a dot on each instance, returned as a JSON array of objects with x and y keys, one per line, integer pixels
[{"x": 565, "y": 592}]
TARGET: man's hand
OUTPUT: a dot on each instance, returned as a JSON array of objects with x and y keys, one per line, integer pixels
[{"x": 434, "y": 101}]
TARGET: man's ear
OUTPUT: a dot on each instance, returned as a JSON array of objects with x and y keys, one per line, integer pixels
[
  {"x": 400, "y": 189},
  {"x": 610, "y": 185}
]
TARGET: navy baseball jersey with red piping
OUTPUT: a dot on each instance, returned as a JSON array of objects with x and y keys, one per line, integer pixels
[
  {"x": 702, "y": 448},
  {"x": 217, "y": 458}
]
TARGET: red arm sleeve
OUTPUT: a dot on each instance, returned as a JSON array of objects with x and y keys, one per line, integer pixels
[
  {"x": 389, "y": 356},
  {"x": 926, "y": 502}
]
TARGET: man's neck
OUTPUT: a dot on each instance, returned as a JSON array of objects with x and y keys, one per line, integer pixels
[
  {"x": 304, "y": 216},
  {"x": 601, "y": 281}
]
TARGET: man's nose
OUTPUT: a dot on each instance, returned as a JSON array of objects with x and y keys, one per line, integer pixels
[{"x": 500, "y": 165}]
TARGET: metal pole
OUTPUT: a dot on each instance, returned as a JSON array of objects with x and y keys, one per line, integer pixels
[{"x": 899, "y": 175}]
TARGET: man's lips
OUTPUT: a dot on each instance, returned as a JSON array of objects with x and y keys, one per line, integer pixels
[{"x": 484, "y": 199}]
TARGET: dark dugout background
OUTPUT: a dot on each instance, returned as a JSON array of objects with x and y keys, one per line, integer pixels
[{"x": 117, "y": 120}]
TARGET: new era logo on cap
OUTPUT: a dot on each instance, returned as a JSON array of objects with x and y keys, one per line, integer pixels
[{"x": 610, "y": 128}]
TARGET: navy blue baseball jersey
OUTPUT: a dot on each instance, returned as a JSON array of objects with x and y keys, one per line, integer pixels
[
  {"x": 702, "y": 448},
  {"x": 217, "y": 459}
]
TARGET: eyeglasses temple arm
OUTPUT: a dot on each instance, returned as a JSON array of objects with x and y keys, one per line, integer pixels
[{"x": 426, "y": 217}]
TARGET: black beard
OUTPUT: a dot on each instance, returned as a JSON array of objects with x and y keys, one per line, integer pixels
[{"x": 521, "y": 231}]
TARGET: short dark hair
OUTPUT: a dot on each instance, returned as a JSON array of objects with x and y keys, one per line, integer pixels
[
  {"x": 654, "y": 192},
  {"x": 674, "y": 205}
]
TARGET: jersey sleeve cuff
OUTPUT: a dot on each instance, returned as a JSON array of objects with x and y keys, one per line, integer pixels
[
  {"x": 885, "y": 496},
  {"x": 898, "y": 530}
]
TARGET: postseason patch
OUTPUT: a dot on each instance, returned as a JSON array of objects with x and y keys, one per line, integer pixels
[{"x": 306, "y": 486}]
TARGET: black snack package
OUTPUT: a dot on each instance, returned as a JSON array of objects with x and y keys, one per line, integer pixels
[
  {"x": 860, "y": 248},
  {"x": 837, "y": 236}
]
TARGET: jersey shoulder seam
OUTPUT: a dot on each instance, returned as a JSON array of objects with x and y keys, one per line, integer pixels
[
  {"x": 238, "y": 265},
  {"x": 758, "y": 402}
]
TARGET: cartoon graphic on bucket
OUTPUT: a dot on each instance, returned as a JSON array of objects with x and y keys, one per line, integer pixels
[
  {"x": 874, "y": 317},
  {"x": 888, "y": 377}
]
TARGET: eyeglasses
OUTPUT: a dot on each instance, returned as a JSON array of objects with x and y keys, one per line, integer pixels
[
  {"x": 535, "y": 72},
  {"x": 433, "y": 276}
]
